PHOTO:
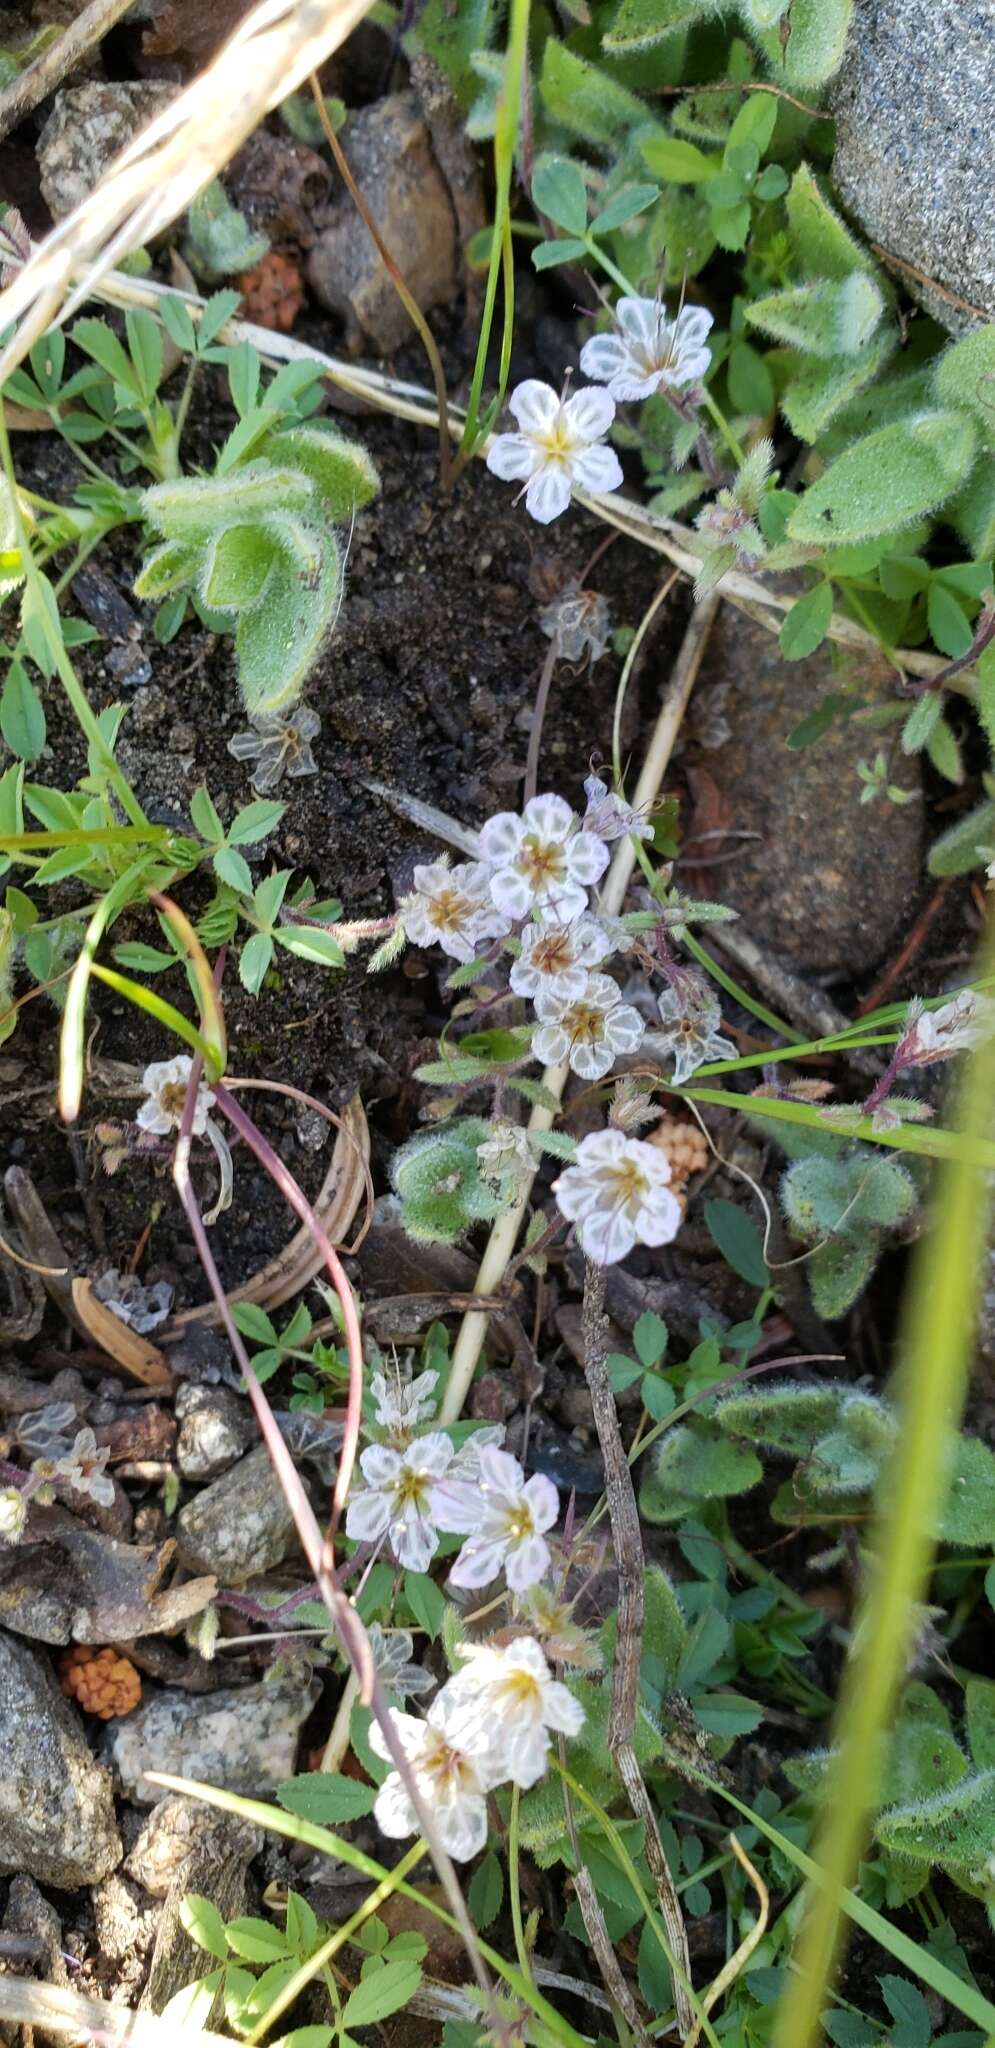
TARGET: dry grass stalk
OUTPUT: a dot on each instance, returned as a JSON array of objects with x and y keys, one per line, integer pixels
[
  {"x": 157, "y": 176},
  {"x": 57, "y": 61}
]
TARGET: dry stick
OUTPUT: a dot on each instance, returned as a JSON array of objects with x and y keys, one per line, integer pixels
[
  {"x": 504, "y": 1235},
  {"x": 627, "y": 1543},
  {"x": 594, "y": 1924},
  {"x": 538, "y": 721},
  {"x": 404, "y": 293},
  {"x": 55, "y": 63}
]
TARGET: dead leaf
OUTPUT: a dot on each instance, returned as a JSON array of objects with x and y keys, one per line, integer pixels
[{"x": 134, "y": 1354}]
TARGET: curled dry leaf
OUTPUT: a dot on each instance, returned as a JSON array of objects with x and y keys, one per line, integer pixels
[{"x": 301, "y": 1260}]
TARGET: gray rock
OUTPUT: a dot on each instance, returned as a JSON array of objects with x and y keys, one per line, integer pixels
[
  {"x": 914, "y": 106},
  {"x": 57, "y": 1819},
  {"x": 124, "y": 1920},
  {"x": 829, "y": 882},
  {"x": 391, "y": 158},
  {"x": 215, "y": 1428},
  {"x": 32, "y": 1918},
  {"x": 179, "y": 1833},
  {"x": 244, "y": 1741},
  {"x": 240, "y": 1526},
  {"x": 219, "y": 1849},
  {"x": 88, "y": 127}
]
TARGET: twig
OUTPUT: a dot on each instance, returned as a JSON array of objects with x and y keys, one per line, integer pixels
[
  {"x": 740, "y": 85},
  {"x": 501, "y": 1243},
  {"x": 531, "y": 783},
  {"x": 627, "y": 1543},
  {"x": 806, "y": 1006},
  {"x": 594, "y": 1924},
  {"x": 55, "y": 63},
  {"x": 931, "y": 283}
]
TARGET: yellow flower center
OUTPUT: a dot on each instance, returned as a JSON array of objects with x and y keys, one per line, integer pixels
[
  {"x": 557, "y": 443},
  {"x": 446, "y": 1769},
  {"x": 518, "y": 1522},
  {"x": 552, "y": 953},
  {"x": 410, "y": 1490},
  {"x": 172, "y": 1098},
  {"x": 541, "y": 860},
  {"x": 449, "y": 910},
  {"x": 584, "y": 1021},
  {"x": 626, "y": 1185}
]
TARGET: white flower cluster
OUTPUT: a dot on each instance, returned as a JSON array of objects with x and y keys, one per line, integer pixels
[
  {"x": 559, "y": 443},
  {"x": 428, "y": 1488},
  {"x": 490, "y": 1725}
]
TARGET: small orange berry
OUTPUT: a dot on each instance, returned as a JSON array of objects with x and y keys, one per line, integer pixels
[{"x": 104, "y": 1682}]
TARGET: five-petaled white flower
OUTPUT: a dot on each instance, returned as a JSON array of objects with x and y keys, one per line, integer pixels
[
  {"x": 690, "y": 1016},
  {"x": 397, "y": 1498},
  {"x": 558, "y": 956},
  {"x": 454, "y": 1764},
  {"x": 589, "y": 1030},
  {"x": 165, "y": 1085},
  {"x": 512, "y": 1693},
  {"x": 506, "y": 1517},
  {"x": 618, "y": 1194},
  {"x": 83, "y": 1466},
  {"x": 540, "y": 861},
  {"x": 401, "y": 1405},
  {"x": 646, "y": 351},
  {"x": 559, "y": 444},
  {"x": 957, "y": 1026},
  {"x": 452, "y": 908}
]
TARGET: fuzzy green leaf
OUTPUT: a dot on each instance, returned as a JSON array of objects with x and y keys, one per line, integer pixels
[
  {"x": 237, "y": 568},
  {"x": 341, "y": 470},
  {"x": 973, "y": 511},
  {"x": 826, "y": 318},
  {"x": 196, "y": 509},
  {"x": 739, "y": 1241},
  {"x": 277, "y": 643},
  {"x": 887, "y": 480},
  {"x": 965, "y": 377},
  {"x": 821, "y": 243},
  {"x": 923, "y": 1758},
  {"x": 965, "y": 845},
  {"x": 807, "y": 623},
  {"x": 968, "y": 1516},
  {"x": 814, "y": 49},
  {"x": 955, "y": 1828},
  {"x": 639, "y": 24},
  {"x": 584, "y": 99},
  {"x": 695, "y": 1463},
  {"x": 787, "y": 1418},
  {"x": 820, "y": 391},
  {"x": 838, "y": 1272}
]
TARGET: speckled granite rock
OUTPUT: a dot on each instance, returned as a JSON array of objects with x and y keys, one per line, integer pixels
[
  {"x": 828, "y": 882},
  {"x": 57, "y": 1819},
  {"x": 238, "y": 1527},
  {"x": 242, "y": 1740},
  {"x": 216, "y": 1426},
  {"x": 914, "y": 106},
  {"x": 88, "y": 127}
]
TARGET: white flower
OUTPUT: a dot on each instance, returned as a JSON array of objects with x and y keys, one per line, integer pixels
[
  {"x": 165, "y": 1085},
  {"x": 466, "y": 1464},
  {"x": 397, "y": 1499},
  {"x": 506, "y": 1160},
  {"x": 402, "y": 1405},
  {"x": 691, "y": 1017},
  {"x": 506, "y": 1517},
  {"x": 83, "y": 1466},
  {"x": 512, "y": 1693},
  {"x": 13, "y": 1514},
  {"x": 589, "y": 1030},
  {"x": 452, "y": 908},
  {"x": 958, "y": 1026},
  {"x": 540, "y": 861},
  {"x": 609, "y": 816},
  {"x": 578, "y": 621},
  {"x": 646, "y": 350},
  {"x": 618, "y": 1195},
  {"x": 454, "y": 1766},
  {"x": 557, "y": 446},
  {"x": 557, "y": 957}
]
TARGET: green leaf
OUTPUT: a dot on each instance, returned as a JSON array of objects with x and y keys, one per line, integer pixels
[
  {"x": 657, "y": 1395},
  {"x": 826, "y": 318},
  {"x": 965, "y": 376},
  {"x": 680, "y": 163},
  {"x": 145, "y": 348},
  {"x": 731, "y": 225},
  {"x": 309, "y": 942},
  {"x": 341, "y": 471},
  {"x": 584, "y": 99},
  {"x": 486, "y": 1891},
  {"x": 98, "y": 340},
  {"x": 739, "y": 1241},
  {"x": 190, "y": 2008},
  {"x": 965, "y": 845},
  {"x": 650, "y": 1337},
  {"x": 821, "y": 390},
  {"x": 751, "y": 386},
  {"x": 196, "y": 509},
  {"x": 979, "y": 1703},
  {"x": 546, "y": 255},
  {"x": 909, "y": 2010},
  {"x": 814, "y": 49},
  {"x": 237, "y": 567},
  {"x": 968, "y": 1514},
  {"x": 22, "y": 714},
  {"x": 728, "y": 1714},
  {"x": 639, "y": 24},
  {"x": 178, "y": 324},
  {"x": 254, "y": 962},
  {"x": 141, "y": 959},
  {"x": 954, "y": 1829},
  {"x": 948, "y": 621},
  {"x": 693, "y": 1463},
  {"x": 256, "y": 1941},
  {"x": 632, "y": 199},
  {"x": 706, "y": 1643},
  {"x": 277, "y": 643},
  {"x": 822, "y": 244},
  {"x": 807, "y": 623},
  {"x": 887, "y": 480},
  {"x": 426, "y": 1601},
  {"x": 204, "y": 1924},
  {"x": 255, "y": 821},
  {"x": 558, "y": 190},
  {"x": 204, "y": 816},
  {"x": 326, "y": 1797},
  {"x": 384, "y": 1991},
  {"x": 233, "y": 868}
]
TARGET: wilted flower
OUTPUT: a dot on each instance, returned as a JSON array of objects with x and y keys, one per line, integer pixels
[
  {"x": 958, "y": 1026},
  {"x": 454, "y": 1766},
  {"x": 647, "y": 352},
  {"x": 13, "y": 1514},
  {"x": 618, "y": 1194},
  {"x": 83, "y": 1467},
  {"x": 512, "y": 1693},
  {"x": 466, "y": 1464},
  {"x": 506, "y": 1159},
  {"x": 589, "y": 1030},
  {"x": 280, "y": 744},
  {"x": 452, "y": 908},
  {"x": 506, "y": 1517},
  {"x": 46, "y": 1432},
  {"x": 563, "y": 1640},
  {"x": 403, "y": 1405},
  {"x": 578, "y": 622},
  {"x": 558, "y": 956},
  {"x": 608, "y": 815},
  {"x": 165, "y": 1084},
  {"x": 541, "y": 861},
  {"x": 142, "y": 1308},
  {"x": 690, "y": 1016},
  {"x": 397, "y": 1499},
  {"x": 727, "y": 528},
  {"x": 557, "y": 447}
]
